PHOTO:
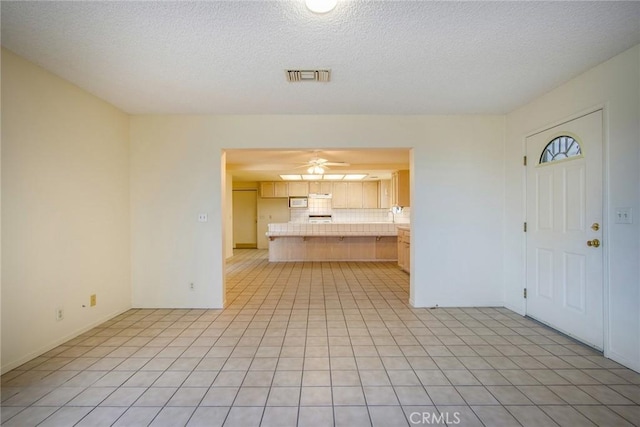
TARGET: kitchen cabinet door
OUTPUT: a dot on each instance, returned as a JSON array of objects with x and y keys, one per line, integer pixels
[
  {"x": 340, "y": 193},
  {"x": 270, "y": 189},
  {"x": 267, "y": 189},
  {"x": 407, "y": 255},
  {"x": 298, "y": 189},
  {"x": 385, "y": 194},
  {"x": 370, "y": 194},
  {"x": 401, "y": 260},
  {"x": 404, "y": 250},
  {"x": 402, "y": 193},
  {"x": 281, "y": 189},
  {"x": 320, "y": 187},
  {"x": 354, "y": 196}
]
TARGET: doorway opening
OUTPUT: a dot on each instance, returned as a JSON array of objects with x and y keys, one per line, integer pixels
[
  {"x": 245, "y": 211},
  {"x": 375, "y": 180}
]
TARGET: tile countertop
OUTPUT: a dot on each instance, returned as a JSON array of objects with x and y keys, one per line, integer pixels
[
  {"x": 405, "y": 227},
  {"x": 342, "y": 229}
]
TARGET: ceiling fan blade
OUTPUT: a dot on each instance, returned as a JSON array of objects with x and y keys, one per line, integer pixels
[{"x": 336, "y": 164}]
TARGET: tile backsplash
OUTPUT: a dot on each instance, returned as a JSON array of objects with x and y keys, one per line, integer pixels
[{"x": 349, "y": 215}]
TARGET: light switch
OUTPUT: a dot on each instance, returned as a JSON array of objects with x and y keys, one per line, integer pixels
[
  {"x": 202, "y": 217},
  {"x": 624, "y": 216}
]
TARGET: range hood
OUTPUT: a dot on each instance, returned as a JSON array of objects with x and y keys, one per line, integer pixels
[{"x": 319, "y": 195}]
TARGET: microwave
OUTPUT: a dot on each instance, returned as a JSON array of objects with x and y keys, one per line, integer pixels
[{"x": 298, "y": 202}]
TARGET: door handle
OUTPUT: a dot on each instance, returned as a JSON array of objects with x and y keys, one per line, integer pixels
[{"x": 593, "y": 243}]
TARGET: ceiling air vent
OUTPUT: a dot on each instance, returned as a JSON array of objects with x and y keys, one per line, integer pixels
[{"x": 308, "y": 75}]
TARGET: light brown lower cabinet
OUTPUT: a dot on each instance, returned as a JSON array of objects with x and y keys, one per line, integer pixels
[
  {"x": 404, "y": 249},
  {"x": 333, "y": 248}
]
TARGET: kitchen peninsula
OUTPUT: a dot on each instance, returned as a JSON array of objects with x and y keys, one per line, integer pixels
[
  {"x": 333, "y": 242},
  {"x": 340, "y": 220}
]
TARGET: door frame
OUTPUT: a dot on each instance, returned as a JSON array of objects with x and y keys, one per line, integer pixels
[{"x": 605, "y": 211}]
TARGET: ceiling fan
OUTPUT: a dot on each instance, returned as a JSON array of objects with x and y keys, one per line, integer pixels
[{"x": 317, "y": 165}]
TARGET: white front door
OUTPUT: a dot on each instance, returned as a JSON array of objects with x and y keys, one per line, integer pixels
[{"x": 564, "y": 228}]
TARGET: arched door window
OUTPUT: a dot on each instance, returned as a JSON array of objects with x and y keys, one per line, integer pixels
[{"x": 560, "y": 148}]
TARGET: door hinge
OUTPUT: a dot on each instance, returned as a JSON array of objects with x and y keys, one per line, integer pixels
[
  {"x": 524, "y": 162},
  {"x": 525, "y": 227},
  {"x": 525, "y": 293}
]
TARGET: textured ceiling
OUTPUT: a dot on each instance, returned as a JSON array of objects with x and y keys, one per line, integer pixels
[{"x": 386, "y": 57}]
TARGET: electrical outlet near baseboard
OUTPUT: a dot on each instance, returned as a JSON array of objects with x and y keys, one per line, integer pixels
[
  {"x": 92, "y": 300},
  {"x": 59, "y": 314}
]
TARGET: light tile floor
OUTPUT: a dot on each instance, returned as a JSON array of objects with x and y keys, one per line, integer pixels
[{"x": 320, "y": 344}]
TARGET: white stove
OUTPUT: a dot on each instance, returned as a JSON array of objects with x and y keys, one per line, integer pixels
[{"x": 320, "y": 219}]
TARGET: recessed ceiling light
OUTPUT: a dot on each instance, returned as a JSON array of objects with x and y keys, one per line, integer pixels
[
  {"x": 290, "y": 177},
  {"x": 321, "y": 6}
]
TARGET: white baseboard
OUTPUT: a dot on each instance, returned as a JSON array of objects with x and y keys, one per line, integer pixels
[
  {"x": 50, "y": 346},
  {"x": 515, "y": 309}
]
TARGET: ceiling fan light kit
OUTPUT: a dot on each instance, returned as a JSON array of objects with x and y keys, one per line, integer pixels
[{"x": 316, "y": 170}]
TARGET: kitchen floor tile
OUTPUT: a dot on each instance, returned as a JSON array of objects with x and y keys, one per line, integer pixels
[
  {"x": 244, "y": 417},
  {"x": 310, "y": 416},
  {"x": 137, "y": 417},
  {"x": 350, "y": 416},
  {"x": 496, "y": 416},
  {"x": 208, "y": 417},
  {"x": 66, "y": 416},
  {"x": 102, "y": 417},
  {"x": 531, "y": 416},
  {"x": 280, "y": 417}
]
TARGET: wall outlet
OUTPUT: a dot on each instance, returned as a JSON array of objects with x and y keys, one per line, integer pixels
[
  {"x": 59, "y": 314},
  {"x": 192, "y": 286},
  {"x": 203, "y": 217},
  {"x": 92, "y": 300}
]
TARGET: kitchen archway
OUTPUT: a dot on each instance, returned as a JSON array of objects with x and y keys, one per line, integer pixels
[{"x": 355, "y": 207}]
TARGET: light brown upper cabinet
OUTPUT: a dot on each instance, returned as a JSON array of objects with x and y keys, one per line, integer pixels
[
  {"x": 298, "y": 189},
  {"x": 354, "y": 195},
  {"x": 385, "y": 193},
  {"x": 271, "y": 189},
  {"x": 320, "y": 187},
  {"x": 340, "y": 193},
  {"x": 370, "y": 194},
  {"x": 400, "y": 188}
]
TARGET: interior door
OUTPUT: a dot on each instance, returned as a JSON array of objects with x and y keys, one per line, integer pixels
[
  {"x": 564, "y": 235},
  {"x": 245, "y": 211}
]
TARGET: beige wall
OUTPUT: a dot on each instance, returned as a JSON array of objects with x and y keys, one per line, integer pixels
[
  {"x": 65, "y": 210},
  {"x": 458, "y": 198},
  {"x": 614, "y": 86}
]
